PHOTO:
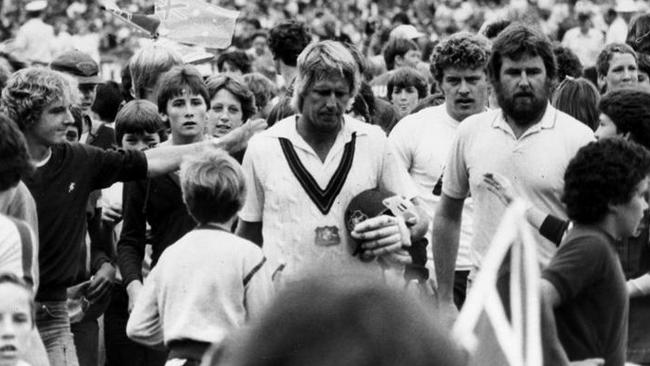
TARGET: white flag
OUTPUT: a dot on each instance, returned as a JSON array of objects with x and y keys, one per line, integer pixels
[
  {"x": 482, "y": 326},
  {"x": 196, "y": 22}
]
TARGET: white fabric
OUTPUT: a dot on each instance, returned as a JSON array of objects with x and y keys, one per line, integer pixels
[
  {"x": 534, "y": 163},
  {"x": 422, "y": 142},
  {"x": 196, "y": 291},
  {"x": 289, "y": 217},
  {"x": 35, "y": 41},
  {"x": 585, "y": 46},
  {"x": 11, "y": 251},
  {"x": 617, "y": 31}
]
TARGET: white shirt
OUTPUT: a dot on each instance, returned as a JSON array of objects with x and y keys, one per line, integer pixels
[
  {"x": 291, "y": 219},
  {"x": 422, "y": 142},
  {"x": 617, "y": 31},
  {"x": 207, "y": 284},
  {"x": 585, "y": 46},
  {"x": 35, "y": 41},
  {"x": 534, "y": 163}
]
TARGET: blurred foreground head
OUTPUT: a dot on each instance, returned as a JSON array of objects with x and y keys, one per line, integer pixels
[{"x": 345, "y": 322}]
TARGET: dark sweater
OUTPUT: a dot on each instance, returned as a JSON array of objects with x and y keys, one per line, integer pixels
[
  {"x": 157, "y": 201},
  {"x": 61, "y": 189}
]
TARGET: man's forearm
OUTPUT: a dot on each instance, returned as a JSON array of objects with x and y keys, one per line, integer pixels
[
  {"x": 445, "y": 238},
  {"x": 167, "y": 159}
]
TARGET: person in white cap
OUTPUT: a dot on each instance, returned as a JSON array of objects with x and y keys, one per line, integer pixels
[
  {"x": 617, "y": 31},
  {"x": 35, "y": 40}
]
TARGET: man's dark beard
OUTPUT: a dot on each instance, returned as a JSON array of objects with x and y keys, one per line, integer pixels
[{"x": 523, "y": 115}]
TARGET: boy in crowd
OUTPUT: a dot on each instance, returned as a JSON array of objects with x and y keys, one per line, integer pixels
[
  {"x": 604, "y": 192},
  {"x": 184, "y": 99},
  {"x": 138, "y": 126},
  {"x": 224, "y": 280}
]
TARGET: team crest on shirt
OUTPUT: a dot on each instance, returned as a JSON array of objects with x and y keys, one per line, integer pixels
[{"x": 327, "y": 236}]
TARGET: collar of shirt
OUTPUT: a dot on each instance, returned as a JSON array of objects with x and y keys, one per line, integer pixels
[
  {"x": 548, "y": 121},
  {"x": 290, "y": 132}
]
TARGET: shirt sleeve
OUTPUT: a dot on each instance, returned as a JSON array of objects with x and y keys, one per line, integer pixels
[
  {"x": 254, "y": 201},
  {"x": 131, "y": 246},
  {"x": 393, "y": 176},
  {"x": 455, "y": 181},
  {"x": 402, "y": 144},
  {"x": 144, "y": 325},
  {"x": 110, "y": 166},
  {"x": 577, "y": 264}
]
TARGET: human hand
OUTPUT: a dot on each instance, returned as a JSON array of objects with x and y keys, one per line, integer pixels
[
  {"x": 101, "y": 283},
  {"x": 383, "y": 234},
  {"x": 237, "y": 139},
  {"x": 501, "y": 187},
  {"x": 589, "y": 362},
  {"x": 112, "y": 214},
  {"x": 133, "y": 290},
  {"x": 399, "y": 257}
]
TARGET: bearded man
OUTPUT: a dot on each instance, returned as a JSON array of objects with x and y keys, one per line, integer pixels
[{"x": 528, "y": 141}]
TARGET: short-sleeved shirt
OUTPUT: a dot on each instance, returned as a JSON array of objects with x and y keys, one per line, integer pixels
[
  {"x": 17, "y": 243},
  {"x": 534, "y": 163},
  {"x": 592, "y": 319},
  {"x": 422, "y": 142},
  {"x": 61, "y": 188},
  {"x": 292, "y": 223}
]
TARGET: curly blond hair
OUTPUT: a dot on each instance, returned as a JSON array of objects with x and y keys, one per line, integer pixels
[{"x": 30, "y": 91}]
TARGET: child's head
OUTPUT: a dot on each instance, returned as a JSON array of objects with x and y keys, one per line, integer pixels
[
  {"x": 184, "y": 99},
  {"x": 625, "y": 113},
  {"x": 406, "y": 87},
  {"x": 16, "y": 318},
  {"x": 138, "y": 126},
  {"x": 608, "y": 177},
  {"x": 213, "y": 187}
]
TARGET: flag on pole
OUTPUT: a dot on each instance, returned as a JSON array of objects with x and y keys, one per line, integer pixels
[
  {"x": 196, "y": 22},
  {"x": 482, "y": 326},
  {"x": 148, "y": 24}
]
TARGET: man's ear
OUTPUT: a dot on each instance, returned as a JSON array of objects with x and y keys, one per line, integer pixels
[
  {"x": 625, "y": 136},
  {"x": 399, "y": 61}
]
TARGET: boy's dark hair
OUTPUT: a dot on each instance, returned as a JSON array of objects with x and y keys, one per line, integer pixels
[
  {"x": 629, "y": 109},
  {"x": 404, "y": 77},
  {"x": 138, "y": 117},
  {"x": 605, "y": 56},
  {"x": 568, "y": 64},
  {"x": 108, "y": 100},
  {"x": 461, "y": 50},
  {"x": 262, "y": 87},
  {"x": 287, "y": 40},
  {"x": 236, "y": 58},
  {"x": 493, "y": 29},
  {"x": 603, "y": 173},
  {"x": 401, "y": 17},
  {"x": 397, "y": 47},
  {"x": 14, "y": 158},
  {"x": 174, "y": 82},
  {"x": 519, "y": 40}
]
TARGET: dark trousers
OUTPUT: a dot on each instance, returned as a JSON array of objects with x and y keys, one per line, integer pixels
[
  {"x": 120, "y": 350},
  {"x": 460, "y": 288},
  {"x": 86, "y": 341}
]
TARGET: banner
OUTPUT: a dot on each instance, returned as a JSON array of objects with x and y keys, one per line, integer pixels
[
  {"x": 196, "y": 22},
  {"x": 482, "y": 326}
]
